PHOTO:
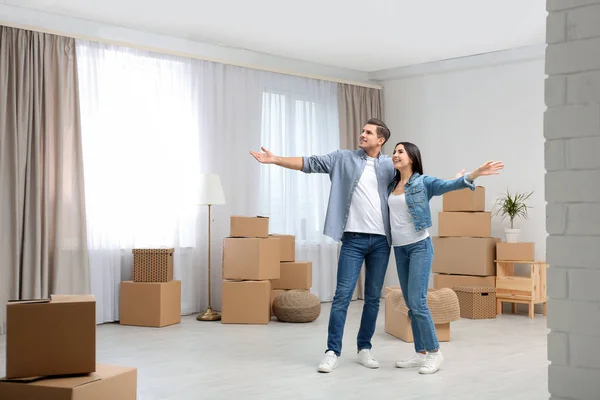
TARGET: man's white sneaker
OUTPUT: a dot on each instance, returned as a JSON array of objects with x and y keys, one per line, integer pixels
[
  {"x": 365, "y": 357},
  {"x": 433, "y": 361},
  {"x": 329, "y": 362},
  {"x": 418, "y": 360}
]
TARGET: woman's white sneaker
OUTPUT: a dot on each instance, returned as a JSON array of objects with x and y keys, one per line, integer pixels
[
  {"x": 329, "y": 362},
  {"x": 418, "y": 360},
  {"x": 365, "y": 357},
  {"x": 433, "y": 362}
]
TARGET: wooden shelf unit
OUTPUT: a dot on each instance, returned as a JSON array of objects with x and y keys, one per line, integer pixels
[{"x": 513, "y": 289}]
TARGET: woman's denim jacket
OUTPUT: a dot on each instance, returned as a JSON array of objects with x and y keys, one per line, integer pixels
[{"x": 421, "y": 188}]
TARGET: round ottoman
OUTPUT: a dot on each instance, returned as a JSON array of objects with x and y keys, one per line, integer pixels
[
  {"x": 297, "y": 306},
  {"x": 443, "y": 304}
]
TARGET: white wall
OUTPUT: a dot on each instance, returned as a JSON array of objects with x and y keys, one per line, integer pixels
[
  {"x": 462, "y": 118},
  {"x": 572, "y": 132}
]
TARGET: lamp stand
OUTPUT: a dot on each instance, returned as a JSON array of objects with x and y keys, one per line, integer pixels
[{"x": 209, "y": 314}]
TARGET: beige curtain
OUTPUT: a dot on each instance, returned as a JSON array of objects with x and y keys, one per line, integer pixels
[
  {"x": 356, "y": 105},
  {"x": 43, "y": 245}
]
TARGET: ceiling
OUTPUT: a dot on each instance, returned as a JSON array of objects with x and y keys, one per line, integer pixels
[{"x": 356, "y": 34}]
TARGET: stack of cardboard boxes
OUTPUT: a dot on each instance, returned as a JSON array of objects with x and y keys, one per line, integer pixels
[
  {"x": 51, "y": 353},
  {"x": 257, "y": 267},
  {"x": 464, "y": 249},
  {"x": 153, "y": 298}
]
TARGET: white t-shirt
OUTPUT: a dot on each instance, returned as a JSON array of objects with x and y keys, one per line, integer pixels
[
  {"x": 402, "y": 225},
  {"x": 365, "y": 215}
]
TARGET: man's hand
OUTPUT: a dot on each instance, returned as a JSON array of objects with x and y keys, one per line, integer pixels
[{"x": 265, "y": 158}]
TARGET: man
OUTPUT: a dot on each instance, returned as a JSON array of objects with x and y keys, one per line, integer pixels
[{"x": 357, "y": 214}]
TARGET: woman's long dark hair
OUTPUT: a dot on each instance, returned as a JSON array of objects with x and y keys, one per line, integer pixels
[{"x": 415, "y": 156}]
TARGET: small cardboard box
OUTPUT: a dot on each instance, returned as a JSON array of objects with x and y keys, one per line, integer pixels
[
  {"x": 522, "y": 251},
  {"x": 51, "y": 337},
  {"x": 294, "y": 275},
  {"x": 274, "y": 294},
  {"x": 246, "y": 302},
  {"x": 153, "y": 265},
  {"x": 465, "y": 224},
  {"x": 251, "y": 259},
  {"x": 451, "y": 281},
  {"x": 464, "y": 200},
  {"x": 398, "y": 325},
  {"x": 287, "y": 245},
  {"x": 108, "y": 382},
  {"x": 252, "y": 227},
  {"x": 150, "y": 304},
  {"x": 464, "y": 256}
]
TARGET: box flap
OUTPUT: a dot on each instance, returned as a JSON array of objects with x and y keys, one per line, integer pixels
[
  {"x": 75, "y": 298},
  {"x": 103, "y": 371},
  {"x": 29, "y": 301}
]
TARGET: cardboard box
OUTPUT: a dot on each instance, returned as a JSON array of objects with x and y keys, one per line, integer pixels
[
  {"x": 388, "y": 289},
  {"x": 287, "y": 245},
  {"x": 251, "y": 227},
  {"x": 522, "y": 251},
  {"x": 108, "y": 382},
  {"x": 398, "y": 325},
  {"x": 465, "y": 224},
  {"x": 150, "y": 304},
  {"x": 274, "y": 294},
  {"x": 51, "y": 337},
  {"x": 153, "y": 265},
  {"x": 451, "y": 281},
  {"x": 464, "y": 200},
  {"x": 251, "y": 259},
  {"x": 464, "y": 256},
  {"x": 294, "y": 275},
  {"x": 246, "y": 302}
]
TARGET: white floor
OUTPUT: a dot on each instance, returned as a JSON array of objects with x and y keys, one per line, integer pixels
[{"x": 504, "y": 358}]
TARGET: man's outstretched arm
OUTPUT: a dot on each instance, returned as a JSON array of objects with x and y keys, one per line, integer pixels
[{"x": 267, "y": 157}]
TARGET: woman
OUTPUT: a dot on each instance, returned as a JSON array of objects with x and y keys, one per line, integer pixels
[{"x": 410, "y": 216}]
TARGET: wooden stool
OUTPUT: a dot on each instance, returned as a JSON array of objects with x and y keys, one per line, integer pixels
[{"x": 521, "y": 289}]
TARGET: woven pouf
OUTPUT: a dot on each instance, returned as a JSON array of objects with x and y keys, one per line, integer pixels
[
  {"x": 296, "y": 306},
  {"x": 443, "y": 304}
]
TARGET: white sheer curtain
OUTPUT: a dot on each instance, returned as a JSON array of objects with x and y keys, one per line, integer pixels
[
  {"x": 300, "y": 117},
  {"x": 152, "y": 123}
]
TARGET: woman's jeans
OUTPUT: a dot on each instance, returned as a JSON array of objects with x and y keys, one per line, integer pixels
[{"x": 413, "y": 262}]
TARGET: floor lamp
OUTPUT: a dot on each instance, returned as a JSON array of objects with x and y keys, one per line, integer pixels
[{"x": 211, "y": 193}]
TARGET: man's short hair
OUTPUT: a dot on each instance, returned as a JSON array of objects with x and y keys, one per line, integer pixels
[{"x": 382, "y": 130}]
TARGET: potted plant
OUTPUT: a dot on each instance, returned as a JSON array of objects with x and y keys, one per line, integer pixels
[{"x": 513, "y": 206}]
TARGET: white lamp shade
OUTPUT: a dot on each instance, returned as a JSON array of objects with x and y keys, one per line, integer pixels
[{"x": 211, "y": 191}]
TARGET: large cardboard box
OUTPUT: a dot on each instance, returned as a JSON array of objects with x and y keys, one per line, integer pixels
[
  {"x": 252, "y": 227},
  {"x": 294, "y": 275},
  {"x": 465, "y": 224},
  {"x": 251, "y": 259},
  {"x": 153, "y": 265},
  {"x": 398, "y": 325},
  {"x": 464, "y": 256},
  {"x": 451, "y": 281},
  {"x": 150, "y": 304},
  {"x": 464, "y": 200},
  {"x": 108, "y": 382},
  {"x": 274, "y": 294},
  {"x": 522, "y": 251},
  {"x": 287, "y": 246},
  {"x": 51, "y": 337},
  {"x": 246, "y": 302}
]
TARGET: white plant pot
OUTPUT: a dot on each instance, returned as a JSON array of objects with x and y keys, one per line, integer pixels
[{"x": 512, "y": 235}]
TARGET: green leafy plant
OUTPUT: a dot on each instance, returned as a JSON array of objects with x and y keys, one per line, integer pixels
[{"x": 513, "y": 206}]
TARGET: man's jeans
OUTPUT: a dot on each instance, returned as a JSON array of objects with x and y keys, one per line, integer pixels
[
  {"x": 413, "y": 262},
  {"x": 356, "y": 248}
]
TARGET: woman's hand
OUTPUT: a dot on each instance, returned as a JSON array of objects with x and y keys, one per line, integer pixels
[{"x": 489, "y": 168}]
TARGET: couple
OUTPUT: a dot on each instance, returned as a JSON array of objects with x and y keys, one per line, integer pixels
[{"x": 376, "y": 203}]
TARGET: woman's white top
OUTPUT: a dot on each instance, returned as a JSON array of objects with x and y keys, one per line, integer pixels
[{"x": 402, "y": 225}]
